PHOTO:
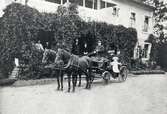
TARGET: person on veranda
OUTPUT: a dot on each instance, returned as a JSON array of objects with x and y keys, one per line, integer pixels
[
  {"x": 98, "y": 50},
  {"x": 39, "y": 46},
  {"x": 99, "y": 47}
]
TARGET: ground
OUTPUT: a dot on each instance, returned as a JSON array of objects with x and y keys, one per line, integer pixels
[{"x": 144, "y": 94}]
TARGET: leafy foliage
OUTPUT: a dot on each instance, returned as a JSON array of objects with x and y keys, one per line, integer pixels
[
  {"x": 158, "y": 43},
  {"x": 160, "y": 10},
  {"x": 19, "y": 27},
  {"x": 66, "y": 29}
]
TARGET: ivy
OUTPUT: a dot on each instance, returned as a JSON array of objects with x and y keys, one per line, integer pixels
[{"x": 20, "y": 26}]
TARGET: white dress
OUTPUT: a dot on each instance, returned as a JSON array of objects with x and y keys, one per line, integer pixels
[
  {"x": 16, "y": 60},
  {"x": 39, "y": 46},
  {"x": 115, "y": 67}
]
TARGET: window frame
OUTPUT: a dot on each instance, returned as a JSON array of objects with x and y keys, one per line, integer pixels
[
  {"x": 146, "y": 54},
  {"x": 132, "y": 19},
  {"x": 146, "y": 24},
  {"x": 115, "y": 11},
  {"x": 54, "y": 1}
]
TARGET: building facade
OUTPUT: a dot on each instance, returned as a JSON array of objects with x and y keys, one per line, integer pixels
[{"x": 129, "y": 13}]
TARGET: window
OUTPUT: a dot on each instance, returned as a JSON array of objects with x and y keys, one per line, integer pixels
[
  {"x": 64, "y": 1},
  {"x": 109, "y": 5},
  {"x": 115, "y": 11},
  {"x": 73, "y": 1},
  {"x": 55, "y": 1},
  {"x": 145, "y": 51},
  {"x": 146, "y": 24},
  {"x": 80, "y": 2},
  {"x": 95, "y": 4},
  {"x": 102, "y": 4},
  {"x": 89, "y": 3},
  {"x": 132, "y": 19}
]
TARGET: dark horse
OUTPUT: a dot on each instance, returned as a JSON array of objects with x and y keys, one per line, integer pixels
[
  {"x": 56, "y": 67},
  {"x": 75, "y": 65}
]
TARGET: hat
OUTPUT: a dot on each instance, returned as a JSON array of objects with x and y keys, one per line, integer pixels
[{"x": 115, "y": 58}]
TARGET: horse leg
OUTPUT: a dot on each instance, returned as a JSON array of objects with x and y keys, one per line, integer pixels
[
  {"x": 87, "y": 82},
  {"x": 61, "y": 75},
  {"x": 69, "y": 81},
  {"x": 58, "y": 82},
  {"x": 74, "y": 80},
  {"x": 90, "y": 78},
  {"x": 79, "y": 85}
]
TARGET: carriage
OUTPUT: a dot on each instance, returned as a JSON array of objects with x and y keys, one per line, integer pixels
[
  {"x": 101, "y": 68},
  {"x": 90, "y": 65}
]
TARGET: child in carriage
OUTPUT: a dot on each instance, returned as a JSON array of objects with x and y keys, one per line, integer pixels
[{"x": 115, "y": 65}]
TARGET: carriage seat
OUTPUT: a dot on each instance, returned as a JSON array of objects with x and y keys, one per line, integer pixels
[{"x": 98, "y": 62}]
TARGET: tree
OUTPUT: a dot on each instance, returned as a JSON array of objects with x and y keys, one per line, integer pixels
[
  {"x": 19, "y": 26},
  {"x": 160, "y": 9},
  {"x": 66, "y": 30},
  {"x": 159, "y": 43}
]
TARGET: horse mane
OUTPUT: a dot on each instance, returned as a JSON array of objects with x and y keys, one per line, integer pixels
[
  {"x": 52, "y": 51},
  {"x": 48, "y": 52}
]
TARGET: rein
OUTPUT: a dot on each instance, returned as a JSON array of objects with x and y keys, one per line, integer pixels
[{"x": 71, "y": 62}]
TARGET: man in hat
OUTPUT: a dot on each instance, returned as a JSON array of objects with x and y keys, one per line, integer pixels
[
  {"x": 39, "y": 46},
  {"x": 75, "y": 47},
  {"x": 99, "y": 47}
]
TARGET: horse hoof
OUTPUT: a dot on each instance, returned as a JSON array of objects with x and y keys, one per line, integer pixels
[
  {"x": 79, "y": 85},
  {"x": 58, "y": 89},
  {"x": 89, "y": 87},
  {"x": 61, "y": 89}
]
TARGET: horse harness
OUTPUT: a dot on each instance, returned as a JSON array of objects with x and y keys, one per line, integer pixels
[{"x": 74, "y": 62}]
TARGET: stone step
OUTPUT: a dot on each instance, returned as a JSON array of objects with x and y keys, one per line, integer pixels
[{"x": 14, "y": 73}]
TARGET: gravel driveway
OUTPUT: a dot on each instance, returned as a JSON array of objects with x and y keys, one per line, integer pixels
[{"x": 144, "y": 94}]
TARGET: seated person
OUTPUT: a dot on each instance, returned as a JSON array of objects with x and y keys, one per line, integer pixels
[{"x": 99, "y": 48}]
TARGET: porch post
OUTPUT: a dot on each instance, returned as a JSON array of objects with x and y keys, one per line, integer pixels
[
  {"x": 93, "y": 4},
  {"x": 98, "y": 4},
  {"x": 83, "y": 3}
]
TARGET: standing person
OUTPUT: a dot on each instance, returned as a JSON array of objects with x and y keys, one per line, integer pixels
[
  {"x": 99, "y": 47},
  {"x": 75, "y": 47},
  {"x": 39, "y": 46},
  {"x": 85, "y": 49},
  {"x": 47, "y": 46}
]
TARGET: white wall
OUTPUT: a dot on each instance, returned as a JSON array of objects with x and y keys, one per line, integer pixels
[
  {"x": 104, "y": 15},
  {"x": 3, "y": 4},
  {"x": 124, "y": 17}
]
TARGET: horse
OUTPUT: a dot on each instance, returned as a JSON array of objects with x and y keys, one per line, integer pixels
[
  {"x": 75, "y": 65},
  {"x": 49, "y": 56}
]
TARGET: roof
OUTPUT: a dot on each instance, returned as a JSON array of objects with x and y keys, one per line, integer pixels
[{"x": 143, "y": 4}]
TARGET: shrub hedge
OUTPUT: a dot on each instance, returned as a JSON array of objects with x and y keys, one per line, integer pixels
[{"x": 20, "y": 26}]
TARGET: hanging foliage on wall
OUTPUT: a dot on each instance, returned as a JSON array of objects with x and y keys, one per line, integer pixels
[{"x": 20, "y": 26}]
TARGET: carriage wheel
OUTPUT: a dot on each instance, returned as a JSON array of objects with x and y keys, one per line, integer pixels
[
  {"x": 123, "y": 74},
  {"x": 106, "y": 76}
]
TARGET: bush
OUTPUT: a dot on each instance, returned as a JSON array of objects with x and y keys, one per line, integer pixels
[
  {"x": 19, "y": 27},
  {"x": 158, "y": 53},
  {"x": 162, "y": 56}
]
